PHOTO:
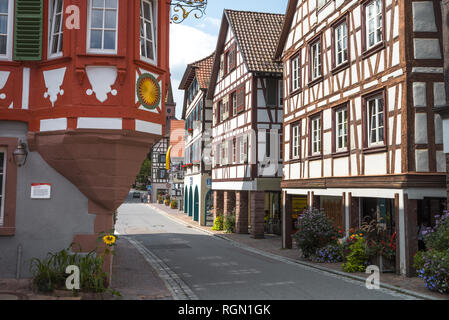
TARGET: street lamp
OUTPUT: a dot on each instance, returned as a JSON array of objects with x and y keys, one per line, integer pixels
[{"x": 20, "y": 154}]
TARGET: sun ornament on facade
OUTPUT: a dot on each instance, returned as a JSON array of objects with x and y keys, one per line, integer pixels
[
  {"x": 148, "y": 91},
  {"x": 183, "y": 8}
]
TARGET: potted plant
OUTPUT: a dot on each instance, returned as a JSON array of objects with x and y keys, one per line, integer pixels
[{"x": 174, "y": 204}]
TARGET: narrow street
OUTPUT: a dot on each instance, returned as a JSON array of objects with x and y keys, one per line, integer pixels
[{"x": 196, "y": 265}]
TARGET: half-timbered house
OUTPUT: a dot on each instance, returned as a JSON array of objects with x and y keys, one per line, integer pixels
[
  {"x": 361, "y": 139},
  {"x": 246, "y": 89},
  {"x": 81, "y": 102},
  {"x": 197, "y": 113}
]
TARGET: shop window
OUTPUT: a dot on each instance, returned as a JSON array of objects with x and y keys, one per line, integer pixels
[
  {"x": 380, "y": 209},
  {"x": 147, "y": 30},
  {"x": 102, "y": 26},
  {"x": 56, "y": 17}
]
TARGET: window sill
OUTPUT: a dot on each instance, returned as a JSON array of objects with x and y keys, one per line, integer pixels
[
  {"x": 314, "y": 82},
  {"x": 315, "y": 157},
  {"x": 339, "y": 68},
  {"x": 376, "y": 149},
  {"x": 296, "y": 92},
  {"x": 373, "y": 50},
  {"x": 295, "y": 160},
  {"x": 340, "y": 154}
]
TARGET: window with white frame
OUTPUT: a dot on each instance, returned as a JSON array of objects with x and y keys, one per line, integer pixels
[
  {"x": 56, "y": 18},
  {"x": 147, "y": 30},
  {"x": 316, "y": 136},
  {"x": 375, "y": 118},
  {"x": 102, "y": 31},
  {"x": 6, "y": 19},
  {"x": 373, "y": 23},
  {"x": 2, "y": 182},
  {"x": 224, "y": 153},
  {"x": 341, "y": 44},
  {"x": 295, "y": 141},
  {"x": 296, "y": 73},
  {"x": 341, "y": 129},
  {"x": 315, "y": 50},
  {"x": 243, "y": 149},
  {"x": 321, "y": 3},
  {"x": 234, "y": 103}
]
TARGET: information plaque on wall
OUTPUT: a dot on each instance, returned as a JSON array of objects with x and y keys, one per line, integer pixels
[{"x": 40, "y": 191}]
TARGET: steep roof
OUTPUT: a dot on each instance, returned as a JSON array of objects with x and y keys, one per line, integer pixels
[
  {"x": 289, "y": 15},
  {"x": 257, "y": 34},
  {"x": 201, "y": 69}
]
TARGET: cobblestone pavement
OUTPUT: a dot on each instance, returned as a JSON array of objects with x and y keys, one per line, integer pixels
[{"x": 273, "y": 244}]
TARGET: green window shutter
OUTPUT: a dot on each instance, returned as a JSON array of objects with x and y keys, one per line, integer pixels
[{"x": 28, "y": 27}]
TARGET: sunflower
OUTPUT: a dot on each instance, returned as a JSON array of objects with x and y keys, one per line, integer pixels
[{"x": 109, "y": 239}]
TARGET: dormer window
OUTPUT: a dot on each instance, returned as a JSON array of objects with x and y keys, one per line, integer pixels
[
  {"x": 102, "y": 26},
  {"x": 6, "y": 17},
  {"x": 147, "y": 31},
  {"x": 55, "y": 24}
]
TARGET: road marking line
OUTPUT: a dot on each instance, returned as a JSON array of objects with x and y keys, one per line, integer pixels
[{"x": 177, "y": 287}]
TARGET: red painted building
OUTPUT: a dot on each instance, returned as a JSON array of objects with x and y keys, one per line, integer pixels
[{"x": 88, "y": 80}]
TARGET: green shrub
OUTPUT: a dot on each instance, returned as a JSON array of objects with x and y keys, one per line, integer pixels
[
  {"x": 174, "y": 204},
  {"x": 229, "y": 223},
  {"x": 49, "y": 273},
  {"x": 218, "y": 223},
  {"x": 357, "y": 260},
  {"x": 316, "y": 231},
  {"x": 433, "y": 265}
]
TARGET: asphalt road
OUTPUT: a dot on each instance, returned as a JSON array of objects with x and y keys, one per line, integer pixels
[{"x": 196, "y": 265}]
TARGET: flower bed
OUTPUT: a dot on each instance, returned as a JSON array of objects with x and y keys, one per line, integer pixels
[{"x": 433, "y": 265}]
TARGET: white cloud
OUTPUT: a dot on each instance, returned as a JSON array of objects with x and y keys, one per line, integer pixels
[{"x": 187, "y": 45}]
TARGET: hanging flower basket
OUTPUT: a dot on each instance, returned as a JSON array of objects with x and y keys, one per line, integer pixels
[{"x": 190, "y": 130}]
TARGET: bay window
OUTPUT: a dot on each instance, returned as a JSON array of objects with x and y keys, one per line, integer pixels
[
  {"x": 102, "y": 26},
  {"x": 147, "y": 31},
  {"x": 56, "y": 18}
]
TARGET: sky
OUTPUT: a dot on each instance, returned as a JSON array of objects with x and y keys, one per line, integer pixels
[{"x": 195, "y": 39}]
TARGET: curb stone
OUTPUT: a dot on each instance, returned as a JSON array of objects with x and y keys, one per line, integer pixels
[{"x": 307, "y": 264}]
